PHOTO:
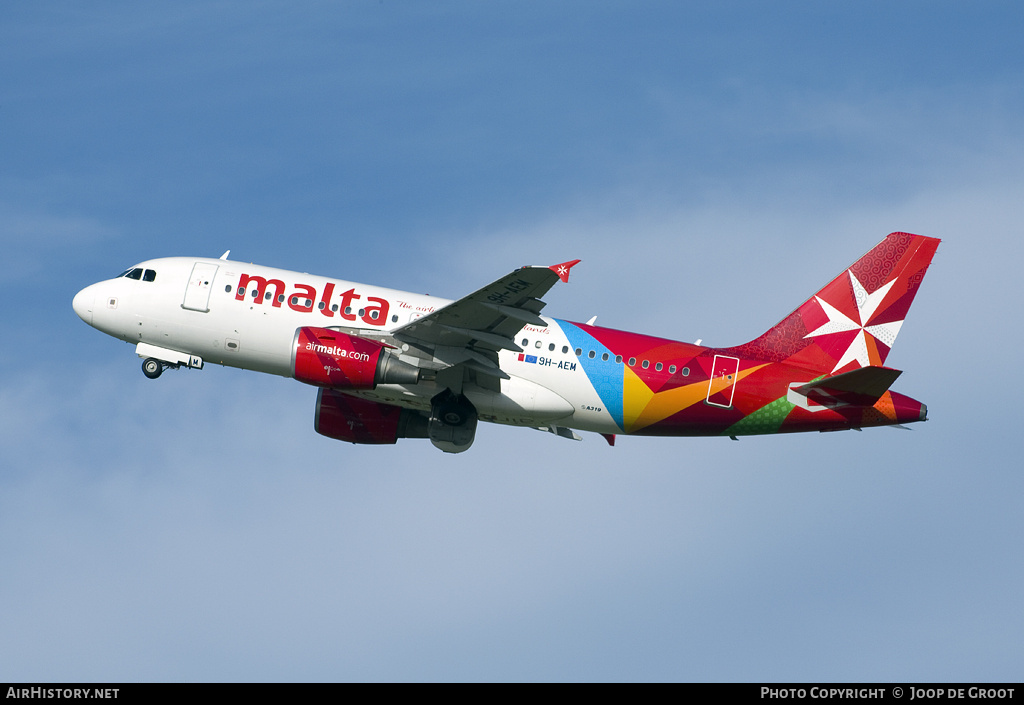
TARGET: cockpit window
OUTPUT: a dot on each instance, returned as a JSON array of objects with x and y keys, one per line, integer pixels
[{"x": 137, "y": 273}]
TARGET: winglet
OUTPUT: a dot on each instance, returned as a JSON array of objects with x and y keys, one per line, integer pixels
[{"x": 562, "y": 270}]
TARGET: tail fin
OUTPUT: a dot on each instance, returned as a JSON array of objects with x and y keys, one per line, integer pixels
[{"x": 853, "y": 321}]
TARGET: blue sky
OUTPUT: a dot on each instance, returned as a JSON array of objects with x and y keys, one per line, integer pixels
[{"x": 711, "y": 165}]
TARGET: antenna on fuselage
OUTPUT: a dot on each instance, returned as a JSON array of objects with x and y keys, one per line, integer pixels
[{"x": 225, "y": 255}]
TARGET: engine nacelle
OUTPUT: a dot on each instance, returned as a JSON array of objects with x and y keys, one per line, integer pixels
[
  {"x": 355, "y": 420},
  {"x": 330, "y": 358}
]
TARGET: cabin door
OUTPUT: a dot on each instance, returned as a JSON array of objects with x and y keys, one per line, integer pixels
[
  {"x": 723, "y": 380},
  {"x": 197, "y": 293}
]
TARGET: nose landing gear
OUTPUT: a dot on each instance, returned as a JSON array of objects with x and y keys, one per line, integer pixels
[
  {"x": 152, "y": 368},
  {"x": 157, "y": 359}
]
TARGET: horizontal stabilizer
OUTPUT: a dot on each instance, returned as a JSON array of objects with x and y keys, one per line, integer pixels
[{"x": 862, "y": 386}]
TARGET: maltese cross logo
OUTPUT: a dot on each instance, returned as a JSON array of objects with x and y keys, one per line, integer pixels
[
  {"x": 862, "y": 347},
  {"x": 562, "y": 270}
]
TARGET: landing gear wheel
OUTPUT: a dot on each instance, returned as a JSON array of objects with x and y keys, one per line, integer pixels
[
  {"x": 453, "y": 416},
  {"x": 452, "y": 424},
  {"x": 451, "y": 410},
  {"x": 152, "y": 368}
]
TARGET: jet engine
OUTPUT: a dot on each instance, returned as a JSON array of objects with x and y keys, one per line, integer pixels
[
  {"x": 329, "y": 358},
  {"x": 452, "y": 425},
  {"x": 355, "y": 420}
]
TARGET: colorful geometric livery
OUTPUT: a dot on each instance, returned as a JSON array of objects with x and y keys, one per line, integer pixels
[{"x": 653, "y": 386}]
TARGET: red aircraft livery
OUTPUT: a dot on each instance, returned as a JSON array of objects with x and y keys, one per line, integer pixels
[{"x": 391, "y": 364}]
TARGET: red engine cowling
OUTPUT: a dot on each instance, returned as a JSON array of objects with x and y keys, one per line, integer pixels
[
  {"x": 330, "y": 358},
  {"x": 356, "y": 420}
]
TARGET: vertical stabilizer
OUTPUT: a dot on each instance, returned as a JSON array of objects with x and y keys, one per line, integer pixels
[{"x": 854, "y": 320}]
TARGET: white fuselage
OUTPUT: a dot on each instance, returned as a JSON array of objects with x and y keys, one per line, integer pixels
[{"x": 245, "y": 316}]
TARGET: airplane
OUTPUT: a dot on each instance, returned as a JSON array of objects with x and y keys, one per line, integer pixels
[{"x": 391, "y": 364}]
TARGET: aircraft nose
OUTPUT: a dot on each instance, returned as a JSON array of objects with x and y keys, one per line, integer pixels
[{"x": 83, "y": 303}]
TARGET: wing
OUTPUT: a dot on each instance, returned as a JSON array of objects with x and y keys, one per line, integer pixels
[{"x": 467, "y": 334}]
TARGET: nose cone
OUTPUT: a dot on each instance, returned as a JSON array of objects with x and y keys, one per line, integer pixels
[{"x": 83, "y": 303}]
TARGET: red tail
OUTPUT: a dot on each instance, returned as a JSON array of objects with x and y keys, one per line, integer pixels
[{"x": 853, "y": 321}]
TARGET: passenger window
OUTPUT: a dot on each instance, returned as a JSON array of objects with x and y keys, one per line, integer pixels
[
  {"x": 334, "y": 308},
  {"x": 618, "y": 359},
  {"x": 321, "y": 305},
  {"x": 551, "y": 347},
  {"x": 241, "y": 291},
  {"x": 227, "y": 289},
  {"x": 645, "y": 364},
  {"x": 266, "y": 296},
  {"x": 591, "y": 354},
  {"x": 579, "y": 351},
  {"x": 604, "y": 357},
  {"x": 538, "y": 344},
  {"x": 686, "y": 372},
  {"x": 658, "y": 367},
  {"x": 632, "y": 362},
  {"x": 149, "y": 275},
  {"x": 565, "y": 349},
  {"x": 671, "y": 369},
  {"x": 280, "y": 298},
  {"x": 394, "y": 319}
]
